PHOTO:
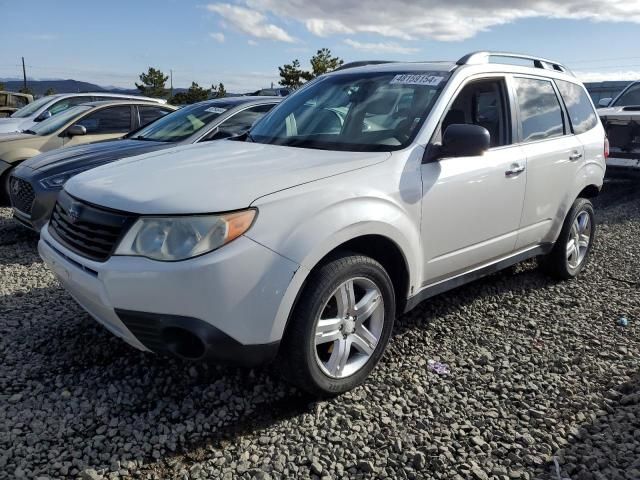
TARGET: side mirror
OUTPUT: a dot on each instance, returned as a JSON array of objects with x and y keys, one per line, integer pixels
[
  {"x": 604, "y": 102},
  {"x": 43, "y": 116},
  {"x": 76, "y": 131},
  {"x": 463, "y": 140}
]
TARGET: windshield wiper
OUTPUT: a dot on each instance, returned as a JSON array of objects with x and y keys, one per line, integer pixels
[{"x": 30, "y": 132}]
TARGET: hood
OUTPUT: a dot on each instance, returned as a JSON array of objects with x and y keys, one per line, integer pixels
[
  {"x": 8, "y": 125},
  {"x": 91, "y": 154},
  {"x": 209, "y": 177},
  {"x": 12, "y": 141}
]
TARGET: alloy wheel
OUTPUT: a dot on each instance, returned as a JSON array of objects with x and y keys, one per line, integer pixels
[
  {"x": 579, "y": 240},
  {"x": 349, "y": 327}
]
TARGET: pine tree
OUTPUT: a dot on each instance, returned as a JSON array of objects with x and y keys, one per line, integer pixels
[{"x": 153, "y": 83}]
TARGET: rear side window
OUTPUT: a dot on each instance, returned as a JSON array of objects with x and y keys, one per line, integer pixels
[
  {"x": 149, "y": 114},
  {"x": 581, "y": 113},
  {"x": 540, "y": 112},
  {"x": 108, "y": 120}
]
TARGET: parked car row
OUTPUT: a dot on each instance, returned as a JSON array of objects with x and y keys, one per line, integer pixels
[
  {"x": 35, "y": 184},
  {"x": 373, "y": 188}
]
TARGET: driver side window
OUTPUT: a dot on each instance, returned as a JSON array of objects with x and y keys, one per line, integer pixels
[{"x": 482, "y": 103}]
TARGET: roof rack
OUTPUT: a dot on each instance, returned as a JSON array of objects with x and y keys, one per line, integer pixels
[
  {"x": 477, "y": 58},
  {"x": 362, "y": 63}
]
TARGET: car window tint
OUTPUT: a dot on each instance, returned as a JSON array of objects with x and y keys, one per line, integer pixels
[
  {"x": 629, "y": 98},
  {"x": 242, "y": 121},
  {"x": 481, "y": 103},
  {"x": 66, "y": 103},
  {"x": 149, "y": 114},
  {"x": 19, "y": 101},
  {"x": 108, "y": 120},
  {"x": 581, "y": 113},
  {"x": 540, "y": 111}
]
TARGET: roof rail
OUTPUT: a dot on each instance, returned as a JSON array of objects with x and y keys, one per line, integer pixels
[
  {"x": 477, "y": 58},
  {"x": 362, "y": 63}
]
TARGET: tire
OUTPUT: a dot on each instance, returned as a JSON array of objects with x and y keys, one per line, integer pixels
[
  {"x": 5, "y": 199},
  {"x": 565, "y": 262},
  {"x": 351, "y": 343}
]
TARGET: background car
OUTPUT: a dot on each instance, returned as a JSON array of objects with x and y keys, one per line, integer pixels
[
  {"x": 621, "y": 120},
  {"x": 35, "y": 184},
  {"x": 51, "y": 105},
  {"x": 90, "y": 122},
  {"x": 11, "y": 102}
]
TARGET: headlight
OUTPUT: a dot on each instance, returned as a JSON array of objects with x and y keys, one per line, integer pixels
[
  {"x": 56, "y": 182},
  {"x": 179, "y": 238}
]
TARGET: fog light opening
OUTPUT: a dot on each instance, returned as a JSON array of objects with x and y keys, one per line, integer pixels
[{"x": 183, "y": 343}]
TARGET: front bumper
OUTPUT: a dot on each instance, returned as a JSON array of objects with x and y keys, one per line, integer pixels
[{"x": 228, "y": 299}]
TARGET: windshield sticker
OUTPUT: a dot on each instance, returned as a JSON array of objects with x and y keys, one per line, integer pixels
[
  {"x": 217, "y": 110},
  {"x": 417, "y": 79}
]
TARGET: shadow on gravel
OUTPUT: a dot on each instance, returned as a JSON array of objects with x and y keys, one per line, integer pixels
[{"x": 608, "y": 445}]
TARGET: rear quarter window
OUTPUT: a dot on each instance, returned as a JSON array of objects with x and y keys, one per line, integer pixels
[{"x": 583, "y": 117}]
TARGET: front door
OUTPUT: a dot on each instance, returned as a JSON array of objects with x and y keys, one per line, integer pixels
[
  {"x": 472, "y": 206},
  {"x": 105, "y": 124}
]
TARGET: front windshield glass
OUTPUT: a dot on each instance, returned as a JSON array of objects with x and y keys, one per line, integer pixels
[
  {"x": 50, "y": 125},
  {"x": 380, "y": 111},
  {"x": 630, "y": 98},
  {"x": 182, "y": 123},
  {"x": 30, "y": 109}
]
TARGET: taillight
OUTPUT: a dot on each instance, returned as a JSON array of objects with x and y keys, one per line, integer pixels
[{"x": 606, "y": 147}]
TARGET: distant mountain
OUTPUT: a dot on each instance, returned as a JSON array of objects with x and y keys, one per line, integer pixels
[{"x": 39, "y": 87}]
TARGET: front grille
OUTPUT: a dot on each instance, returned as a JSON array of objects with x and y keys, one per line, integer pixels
[
  {"x": 89, "y": 231},
  {"x": 22, "y": 195}
]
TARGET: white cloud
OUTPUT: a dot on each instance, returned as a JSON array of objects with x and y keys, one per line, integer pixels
[
  {"x": 444, "y": 20},
  {"x": 604, "y": 76},
  {"x": 217, "y": 36},
  {"x": 253, "y": 43},
  {"x": 382, "y": 47},
  {"x": 41, "y": 37},
  {"x": 250, "y": 21}
]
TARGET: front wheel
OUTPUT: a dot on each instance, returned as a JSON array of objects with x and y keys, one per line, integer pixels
[
  {"x": 571, "y": 251},
  {"x": 5, "y": 198},
  {"x": 340, "y": 326}
]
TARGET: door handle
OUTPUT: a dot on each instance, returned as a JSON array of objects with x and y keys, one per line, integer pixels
[
  {"x": 516, "y": 169},
  {"x": 575, "y": 156}
]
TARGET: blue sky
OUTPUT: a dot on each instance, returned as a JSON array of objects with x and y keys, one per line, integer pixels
[{"x": 241, "y": 43}]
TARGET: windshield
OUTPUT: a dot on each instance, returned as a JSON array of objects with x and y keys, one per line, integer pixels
[
  {"x": 31, "y": 108},
  {"x": 355, "y": 112},
  {"x": 50, "y": 125},
  {"x": 182, "y": 123},
  {"x": 631, "y": 97}
]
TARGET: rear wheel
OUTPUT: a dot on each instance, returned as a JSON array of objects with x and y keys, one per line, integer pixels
[
  {"x": 571, "y": 251},
  {"x": 340, "y": 327}
]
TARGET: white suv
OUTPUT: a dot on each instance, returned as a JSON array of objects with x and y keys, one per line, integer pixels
[{"x": 364, "y": 193}]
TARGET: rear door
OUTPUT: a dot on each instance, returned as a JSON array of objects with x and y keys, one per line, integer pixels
[
  {"x": 104, "y": 124},
  {"x": 554, "y": 158}
]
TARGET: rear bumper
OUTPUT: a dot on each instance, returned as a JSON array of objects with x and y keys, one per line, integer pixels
[{"x": 220, "y": 306}]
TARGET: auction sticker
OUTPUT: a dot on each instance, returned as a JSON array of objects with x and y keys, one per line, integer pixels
[
  {"x": 216, "y": 110},
  {"x": 417, "y": 79}
]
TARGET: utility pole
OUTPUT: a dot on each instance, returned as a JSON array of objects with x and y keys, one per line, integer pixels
[
  {"x": 171, "y": 73},
  {"x": 24, "y": 76}
]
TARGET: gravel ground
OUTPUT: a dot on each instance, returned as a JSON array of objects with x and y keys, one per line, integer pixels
[{"x": 539, "y": 371}]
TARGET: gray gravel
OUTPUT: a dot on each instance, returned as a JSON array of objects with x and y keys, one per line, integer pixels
[{"x": 540, "y": 371}]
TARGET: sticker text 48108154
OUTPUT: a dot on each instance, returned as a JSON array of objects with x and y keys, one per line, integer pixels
[{"x": 417, "y": 79}]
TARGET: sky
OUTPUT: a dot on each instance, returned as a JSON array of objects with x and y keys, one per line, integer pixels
[{"x": 241, "y": 43}]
